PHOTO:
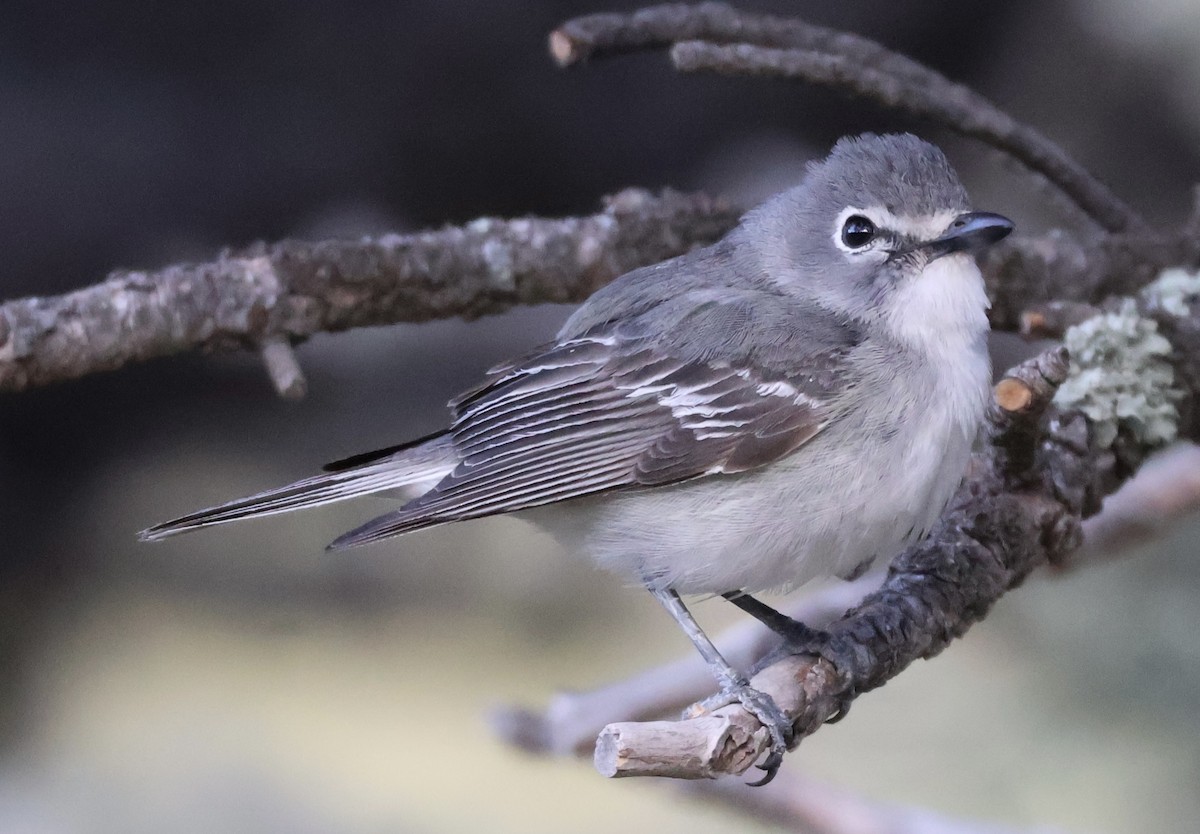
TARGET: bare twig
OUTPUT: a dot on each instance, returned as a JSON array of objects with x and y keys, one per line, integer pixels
[
  {"x": 718, "y": 38},
  {"x": 1029, "y": 272},
  {"x": 283, "y": 368},
  {"x": 802, "y": 804},
  {"x": 571, "y": 720},
  {"x": 727, "y": 740},
  {"x": 293, "y": 289},
  {"x": 1052, "y": 319},
  {"x": 290, "y": 290},
  {"x": 1164, "y": 491},
  {"x": 657, "y": 27},
  {"x": 1021, "y": 396}
]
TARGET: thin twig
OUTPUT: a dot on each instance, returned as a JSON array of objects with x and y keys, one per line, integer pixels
[
  {"x": 803, "y": 804},
  {"x": 1164, "y": 491},
  {"x": 283, "y": 368},
  {"x": 571, "y": 721},
  {"x": 718, "y": 38}
]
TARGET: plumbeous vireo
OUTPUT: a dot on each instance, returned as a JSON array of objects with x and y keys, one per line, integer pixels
[{"x": 792, "y": 402}]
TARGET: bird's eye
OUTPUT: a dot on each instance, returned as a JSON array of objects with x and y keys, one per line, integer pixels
[{"x": 857, "y": 231}]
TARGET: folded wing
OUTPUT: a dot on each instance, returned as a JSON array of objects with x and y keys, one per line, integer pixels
[{"x": 597, "y": 413}]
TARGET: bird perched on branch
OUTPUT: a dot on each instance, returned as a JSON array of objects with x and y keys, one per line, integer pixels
[{"x": 792, "y": 402}]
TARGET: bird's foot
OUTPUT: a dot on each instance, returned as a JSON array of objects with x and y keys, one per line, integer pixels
[{"x": 763, "y": 707}]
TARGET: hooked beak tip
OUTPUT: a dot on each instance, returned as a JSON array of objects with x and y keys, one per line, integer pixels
[{"x": 971, "y": 232}]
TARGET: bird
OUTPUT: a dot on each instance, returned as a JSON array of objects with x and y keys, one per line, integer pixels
[{"x": 797, "y": 400}]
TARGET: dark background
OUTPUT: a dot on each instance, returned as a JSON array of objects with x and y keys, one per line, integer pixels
[{"x": 172, "y": 687}]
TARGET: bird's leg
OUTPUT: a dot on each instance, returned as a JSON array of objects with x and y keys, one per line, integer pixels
[
  {"x": 797, "y": 637},
  {"x": 793, "y": 631},
  {"x": 734, "y": 686}
]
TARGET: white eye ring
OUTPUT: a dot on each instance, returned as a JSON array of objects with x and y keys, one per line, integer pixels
[{"x": 856, "y": 231}]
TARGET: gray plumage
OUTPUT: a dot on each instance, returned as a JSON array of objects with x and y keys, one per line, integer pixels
[
  {"x": 747, "y": 416},
  {"x": 794, "y": 401}
]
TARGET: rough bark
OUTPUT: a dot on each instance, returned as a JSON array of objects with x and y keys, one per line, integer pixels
[
  {"x": 290, "y": 290},
  {"x": 1026, "y": 494}
]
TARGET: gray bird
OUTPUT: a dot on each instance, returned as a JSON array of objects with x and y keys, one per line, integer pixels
[{"x": 795, "y": 401}]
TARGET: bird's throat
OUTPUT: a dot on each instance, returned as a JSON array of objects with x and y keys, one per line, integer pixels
[{"x": 941, "y": 312}]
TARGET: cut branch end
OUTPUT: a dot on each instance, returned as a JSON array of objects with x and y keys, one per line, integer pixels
[
  {"x": 1013, "y": 395},
  {"x": 563, "y": 48}
]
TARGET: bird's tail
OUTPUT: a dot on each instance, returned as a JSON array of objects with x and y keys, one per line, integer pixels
[{"x": 420, "y": 464}]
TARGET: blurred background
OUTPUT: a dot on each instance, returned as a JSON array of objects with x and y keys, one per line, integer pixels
[{"x": 243, "y": 679}]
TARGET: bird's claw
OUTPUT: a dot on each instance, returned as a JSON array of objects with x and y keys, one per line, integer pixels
[
  {"x": 843, "y": 708},
  {"x": 763, "y": 707}
]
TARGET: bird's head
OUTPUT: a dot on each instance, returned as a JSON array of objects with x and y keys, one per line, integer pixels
[{"x": 881, "y": 231}]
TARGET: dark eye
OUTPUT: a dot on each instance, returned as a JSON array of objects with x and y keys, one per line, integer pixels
[{"x": 857, "y": 231}]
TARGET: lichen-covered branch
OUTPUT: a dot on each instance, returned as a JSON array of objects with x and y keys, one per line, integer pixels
[
  {"x": 718, "y": 38},
  {"x": 290, "y": 290},
  {"x": 1045, "y": 468},
  {"x": 1164, "y": 490},
  {"x": 1002, "y": 525}
]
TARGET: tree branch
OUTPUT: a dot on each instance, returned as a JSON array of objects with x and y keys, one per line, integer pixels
[
  {"x": 802, "y": 804},
  {"x": 570, "y": 722},
  {"x": 1026, "y": 273},
  {"x": 290, "y": 290},
  {"x": 1162, "y": 492},
  {"x": 715, "y": 37},
  {"x": 272, "y": 295},
  {"x": 1165, "y": 490},
  {"x": 1027, "y": 491},
  {"x": 1020, "y": 508},
  {"x": 285, "y": 292}
]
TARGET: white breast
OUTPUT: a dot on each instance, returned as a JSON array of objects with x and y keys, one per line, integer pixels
[{"x": 875, "y": 479}]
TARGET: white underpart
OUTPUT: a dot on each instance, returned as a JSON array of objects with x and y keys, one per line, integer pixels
[
  {"x": 942, "y": 314},
  {"x": 936, "y": 310},
  {"x": 872, "y": 482}
]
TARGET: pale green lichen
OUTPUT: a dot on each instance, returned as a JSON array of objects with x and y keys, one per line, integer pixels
[
  {"x": 1173, "y": 291},
  {"x": 1120, "y": 377}
]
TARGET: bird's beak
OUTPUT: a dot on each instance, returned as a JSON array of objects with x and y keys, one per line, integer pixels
[{"x": 970, "y": 232}]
